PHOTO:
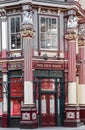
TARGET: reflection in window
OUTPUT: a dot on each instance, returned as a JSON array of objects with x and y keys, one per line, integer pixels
[
  {"x": 15, "y": 37},
  {"x": 48, "y": 84},
  {"x": 48, "y": 33},
  {"x": 43, "y": 104},
  {"x": 15, "y": 107},
  {"x": 52, "y": 104}
]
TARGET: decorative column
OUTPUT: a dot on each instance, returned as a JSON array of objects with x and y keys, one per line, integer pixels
[
  {"x": 81, "y": 86},
  {"x": 72, "y": 110},
  {"x": 28, "y": 109},
  {"x": 4, "y": 69}
]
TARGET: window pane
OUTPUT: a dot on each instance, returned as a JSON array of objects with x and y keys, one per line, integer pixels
[
  {"x": 18, "y": 40},
  {"x": 47, "y": 27},
  {"x": 17, "y": 24},
  {"x": 49, "y": 24},
  {"x": 15, "y": 33},
  {"x": 42, "y": 24},
  {"x": 13, "y": 45},
  {"x": 12, "y": 25},
  {"x": 43, "y": 41},
  {"x": 49, "y": 38}
]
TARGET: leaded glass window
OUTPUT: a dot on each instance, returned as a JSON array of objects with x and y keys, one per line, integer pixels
[
  {"x": 15, "y": 37},
  {"x": 48, "y": 32}
]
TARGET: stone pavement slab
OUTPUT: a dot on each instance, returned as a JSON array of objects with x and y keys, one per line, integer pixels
[{"x": 48, "y": 128}]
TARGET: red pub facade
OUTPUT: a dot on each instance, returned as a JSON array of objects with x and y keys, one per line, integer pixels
[{"x": 42, "y": 63}]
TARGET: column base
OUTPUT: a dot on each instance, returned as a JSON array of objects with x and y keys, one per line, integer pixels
[
  {"x": 5, "y": 120},
  {"x": 72, "y": 116},
  {"x": 28, "y": 117}
]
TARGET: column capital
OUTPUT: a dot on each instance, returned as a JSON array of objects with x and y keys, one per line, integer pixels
[
  {"x": 27, "y": 31},
  {"x": 4, "y": 18},
  {"x": 3, "y": 14},
  {"x": 81, "y": 42},
  {"x": 70, "y": 36}
]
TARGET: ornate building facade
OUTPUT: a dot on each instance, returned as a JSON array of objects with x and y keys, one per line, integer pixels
[{"x": 42, "y": 63}]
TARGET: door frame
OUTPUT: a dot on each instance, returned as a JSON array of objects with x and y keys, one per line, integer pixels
[{"x": 37, "y": 79}]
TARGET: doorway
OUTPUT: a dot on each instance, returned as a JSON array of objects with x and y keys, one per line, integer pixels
[
  {"x": 49, "y": 97},
  {"x": 48, "y": 110}
]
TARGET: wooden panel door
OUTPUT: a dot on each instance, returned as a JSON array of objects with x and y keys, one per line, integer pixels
[{"x": 48, "y": 110}]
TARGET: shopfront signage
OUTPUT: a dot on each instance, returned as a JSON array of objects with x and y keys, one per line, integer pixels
[{"x": 49, "y": 66}]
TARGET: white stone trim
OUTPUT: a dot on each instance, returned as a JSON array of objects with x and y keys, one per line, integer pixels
[
  {"x": 81, "y": 94},
  {"x": 72, "y": 93},
  {"x": 28, "y": 92}
]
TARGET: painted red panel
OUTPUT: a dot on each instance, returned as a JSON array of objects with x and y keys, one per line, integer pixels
[
  {"x": 15, "y": 107},
  {"x": 16, "y": 87},
  {"x": 48, "y": 110},
  {"x": 16, "y": 92},
  {"x": 48, "y": 84}
]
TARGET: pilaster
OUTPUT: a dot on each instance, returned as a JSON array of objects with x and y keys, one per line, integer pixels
[
  {"x": 28, "y": 109},
  {"x": 72, "y": 111},
  {"x": 81, "y": 85},
  {"x": 4, "y": 68}
]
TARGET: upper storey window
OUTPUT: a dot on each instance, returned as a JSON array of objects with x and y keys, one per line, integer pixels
[
  {"x": 48, "y": 32},
  {"x": 15, "y": 37}
]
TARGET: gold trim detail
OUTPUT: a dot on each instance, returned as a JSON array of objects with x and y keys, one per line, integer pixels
[
  {"x": 81, "y": 42},
  {"x": 27, "y": 33},
  {"x": 70, "y": 36}
]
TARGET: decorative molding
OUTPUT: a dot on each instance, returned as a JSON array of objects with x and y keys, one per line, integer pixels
[
  {"x": 27, "y": 33},
  {"x": 15, "y": 66},
  {"x": 70, "y": 36},
  {"x": 70, "y": 115},
  {"x": 3, "y": 15},
  {"x": 81, "y": 42},
  {"x": 48, "y": 11}
]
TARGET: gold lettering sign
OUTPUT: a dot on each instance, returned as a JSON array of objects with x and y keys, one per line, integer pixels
[{"x": 48, "y": 66}]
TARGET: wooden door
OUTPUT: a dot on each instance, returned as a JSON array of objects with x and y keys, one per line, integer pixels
[{"x": 48, "y": 110}]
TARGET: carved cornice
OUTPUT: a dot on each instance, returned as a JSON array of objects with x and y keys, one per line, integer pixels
[
  {"x": 81, "y": 42},
  {"x": 70, "y": 36}
]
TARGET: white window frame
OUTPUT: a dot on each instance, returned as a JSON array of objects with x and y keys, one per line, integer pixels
[
  {"x": 10, "y": 32},
  {"x": 57, "y": 46}
]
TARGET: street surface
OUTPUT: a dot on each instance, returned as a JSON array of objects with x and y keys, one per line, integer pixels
[{"x": 48, "y": 128}]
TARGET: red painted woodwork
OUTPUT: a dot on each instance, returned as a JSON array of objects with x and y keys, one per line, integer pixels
[
  {"x": 15, "y": 107},
  {"x": 82, "y": 113},
  {"x": 28, "y": 116},
  {"x": 16, "y": 87},
  {"x": 5, "y": 120},
  {"x": 48, "y": 110},
  {"x": 47, "y": 65},
  {"x": 16, "y": 93},
  {"x": 72, "y": 116}
]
